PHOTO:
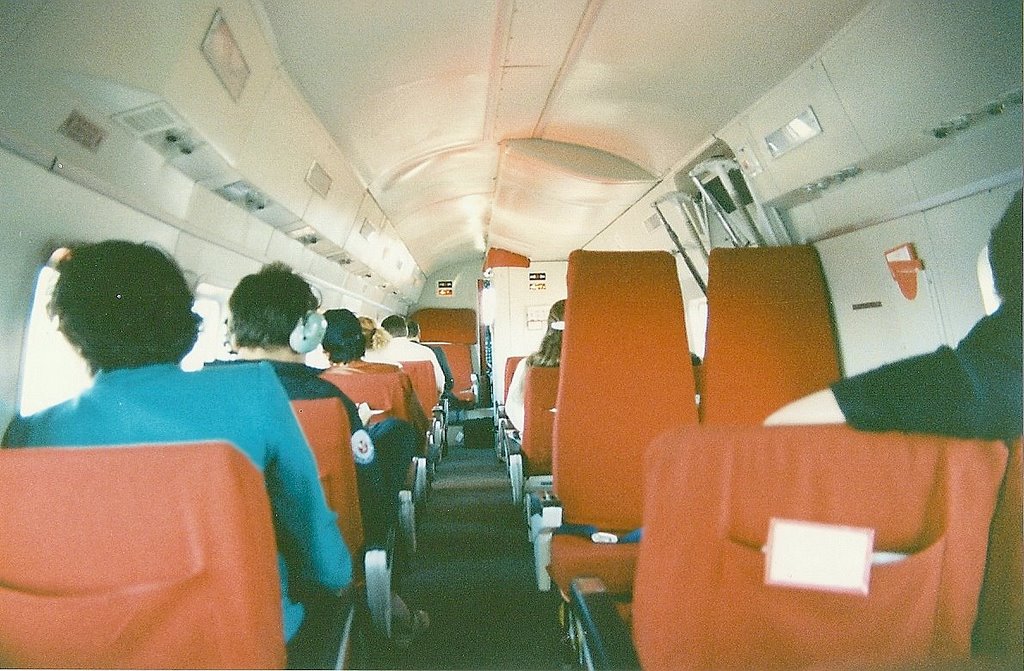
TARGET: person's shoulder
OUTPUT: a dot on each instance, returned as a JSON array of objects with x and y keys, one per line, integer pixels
[{"x": 254, "y": 375}]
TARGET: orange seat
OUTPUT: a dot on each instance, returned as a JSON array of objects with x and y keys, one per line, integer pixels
[
  {"x": 421, "y": 375},
  {"x": 770, "y": 338},
  {"x": 390, "y": 393},
  {"x": 626, "y": 377},
  {"x": 700, "y": 598},
  {"x": 997, "y": 631},
  {"x": 541, "y": 393},
  {"x": 325, "y": 423},
  {"x": 137, "y": 556},
  {"x": 510, "y": 370},
  {"x": 460, "y": 361},
  {"x": 328, "y": 431},
  {"x": 455, "y": 331}
]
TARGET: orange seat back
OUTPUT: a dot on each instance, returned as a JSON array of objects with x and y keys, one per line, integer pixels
[
  {"x": 328, "y": 431},
  {"x": 626, "y": 377},
  {"x": 997, "y": 632},
  {"x": 457, "y": 325},
  {"x": 460, "y": 361},
  {"x": 510, "y": 371},
  {"x": 139, "y": 557},
  {"x": 770, "y": 338},
  {"x": 700, "y": 598},
  {"x": 380, "y": 391},
  {"x": 389, "y": 392},
  {"x": 424, "y": 384},
  {"x": 540, "y": 396}
]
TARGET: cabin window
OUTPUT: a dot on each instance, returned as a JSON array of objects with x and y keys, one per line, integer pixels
[
  {"x": 53, "y": 371},
  {"x": 987, "y": 282},
  {"x": 212, "y": 343}
]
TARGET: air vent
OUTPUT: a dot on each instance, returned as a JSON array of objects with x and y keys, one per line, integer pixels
[
  {"x": 318, "y": 179},
  {"x": 82, "y": 130},
  {"x": 148, "y": 118}
]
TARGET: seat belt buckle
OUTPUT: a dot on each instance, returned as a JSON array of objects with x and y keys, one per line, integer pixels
[{"x": 603, "y": 537}]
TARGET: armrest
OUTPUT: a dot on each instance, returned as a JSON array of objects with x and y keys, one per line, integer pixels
[{"x": 607, "y": 641}]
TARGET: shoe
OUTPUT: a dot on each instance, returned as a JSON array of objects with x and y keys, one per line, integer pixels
[{"x": 419, "y": 623}]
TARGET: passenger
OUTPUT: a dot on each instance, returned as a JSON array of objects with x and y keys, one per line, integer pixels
[
  {"x": 401, "y": 348},
  {"x": 548, "y": 355},
  {"x": 442, "y": 359},
  {"x": 376, "y": 337},
  {"x": 972, "y": 391},
  {"x": 127, "y": 309},
  {"x": 345, "y": 344},
  {"x": 269, "y": 311}
]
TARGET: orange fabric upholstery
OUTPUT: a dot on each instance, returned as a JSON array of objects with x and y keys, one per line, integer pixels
[
  {"x": 770, "y": 338},
  {"x": 541, "y": 393},
  {"x": 455, "y": 325},
  {"x": 460, "y": 361},
  {"x": 626, "y": 377},
  {"x": 421, "y": 375},
  {"x": 510, "y": 370},
  {"x": 389, "y": 392},
  {"x": 998, "y": 630},
  {"x": 328, "y": 432},
  {"x": 700, "y": 600},
  {"x": 137, "y": 557}
]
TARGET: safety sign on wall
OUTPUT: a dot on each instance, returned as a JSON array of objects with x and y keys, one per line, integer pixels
[
  {"x": 538, "y": 281},
  {"x": 445, "y": 288}
]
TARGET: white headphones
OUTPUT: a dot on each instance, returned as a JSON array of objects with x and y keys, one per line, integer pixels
[{"x": 308, "y": 333}]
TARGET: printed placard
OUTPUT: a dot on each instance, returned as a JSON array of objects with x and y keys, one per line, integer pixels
[
  {"x": 445, "y": 288},
  {"x": 823, "y": 557},
  {"x": 537, "y": 317}
]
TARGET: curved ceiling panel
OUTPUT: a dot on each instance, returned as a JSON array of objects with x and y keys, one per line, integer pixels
[{"x": 421, "y": 95}]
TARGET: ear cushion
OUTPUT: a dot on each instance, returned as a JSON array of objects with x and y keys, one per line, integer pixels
[{"x": 308, "y": 333}]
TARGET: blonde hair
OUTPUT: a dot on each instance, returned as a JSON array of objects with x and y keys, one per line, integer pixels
[
  {"x": 376, "y": 337},
  {"x": 549, "y": 354}
]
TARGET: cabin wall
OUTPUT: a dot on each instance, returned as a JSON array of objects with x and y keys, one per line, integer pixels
[
  {"x": 522, "y": 300},
  {"x": 137, "y": 71},
  {"x": 43, "y": 210}
]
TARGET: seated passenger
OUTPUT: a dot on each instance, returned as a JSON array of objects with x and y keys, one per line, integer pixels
[
  {"x": 970, "y": 391},
  {"x": 401, "y": 348},
  {"x": 548, "y": 355},
  {"x": 274, "y": 318},
  {"x": 127, "y": 309},
  {"x": 345, "y": 345},
  {"x": 376, "y": 337}
]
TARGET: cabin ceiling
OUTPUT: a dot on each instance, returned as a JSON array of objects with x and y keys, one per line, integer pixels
[{"x": 532, "y": 124}]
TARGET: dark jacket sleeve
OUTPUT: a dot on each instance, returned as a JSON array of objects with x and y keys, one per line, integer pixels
[{"x": 973, "y": 391}]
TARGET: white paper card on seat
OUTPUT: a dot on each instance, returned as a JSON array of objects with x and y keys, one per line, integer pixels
[{"x": 823, "y": 557}]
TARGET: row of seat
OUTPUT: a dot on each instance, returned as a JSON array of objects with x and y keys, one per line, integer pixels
[
  {"x": 626, "y": 378},
  {"x": 200, "y": 587}
]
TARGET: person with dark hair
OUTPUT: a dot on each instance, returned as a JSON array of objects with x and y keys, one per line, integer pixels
[
  {"x": 345, "y": 345},
  {"x": 400, "y": 348},
  {"x": 274, "y": 318},
  {"x": 548, "y": 355},
  {"x": 127, "y": 309},
  {"x": 970, "y": 391}
]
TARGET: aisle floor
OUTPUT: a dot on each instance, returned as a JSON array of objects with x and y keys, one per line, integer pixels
[{"x": 473, "y": 573}]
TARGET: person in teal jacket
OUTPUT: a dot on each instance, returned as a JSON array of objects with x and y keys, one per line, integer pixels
[{"x": 127, "y": 309}]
